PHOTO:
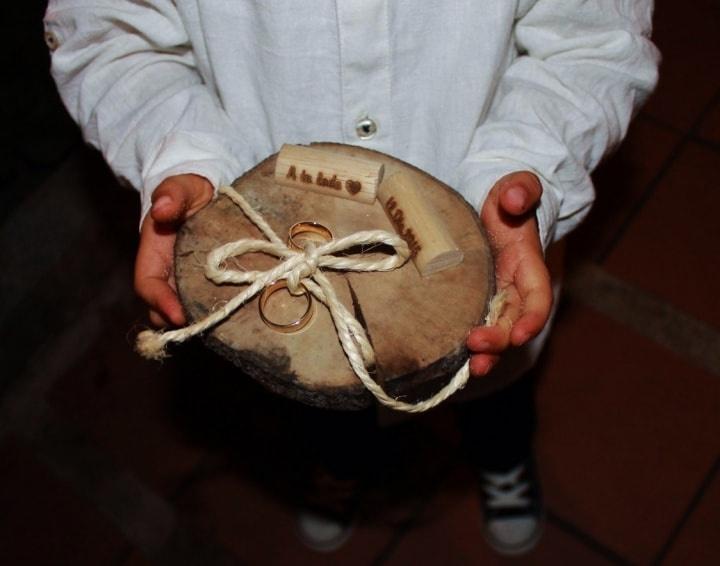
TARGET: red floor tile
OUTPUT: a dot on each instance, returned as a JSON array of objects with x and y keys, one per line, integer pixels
[
  {"x": 710, "y": 128},
  {"x": 627, "y": 432},
  {"x": 43, "y": 522},
  {"x": 619, "y": 183},
  {"x": 250, "y": 520},
  {"x": 127, "y": 407},
  {"x": 449, "y": 533},
  {"x": 671, "y": 248},
  {"x": 229, "y": 510},
  {"x": 688, "y": 39},
  {"x": 698, "y": 542}
]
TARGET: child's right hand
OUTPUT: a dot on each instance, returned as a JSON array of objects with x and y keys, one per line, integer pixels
[
  {"x": 509, "y": 217},
  {"x": 175, "y": 200}
]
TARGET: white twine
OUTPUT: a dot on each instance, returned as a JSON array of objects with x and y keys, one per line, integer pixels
[{"x": 303, "y": 268}]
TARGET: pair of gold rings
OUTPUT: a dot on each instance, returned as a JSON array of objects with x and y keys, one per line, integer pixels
[{"x": 298, "y": 232}]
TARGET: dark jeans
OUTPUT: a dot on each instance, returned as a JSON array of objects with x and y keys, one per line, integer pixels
[{"x": 497, "y": 431}]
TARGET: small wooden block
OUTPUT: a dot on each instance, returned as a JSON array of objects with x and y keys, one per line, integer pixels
[
  {"x": 421, "y": 226},
  {"x": 328, "y": 173}
]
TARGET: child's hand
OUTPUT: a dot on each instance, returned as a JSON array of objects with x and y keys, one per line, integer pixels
[
  {"x": 174, "y": 201},
  {"x": 509, "y": 217}
]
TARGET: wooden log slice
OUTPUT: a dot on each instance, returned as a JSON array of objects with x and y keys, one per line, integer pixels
[{"x": 416, "y": 325}]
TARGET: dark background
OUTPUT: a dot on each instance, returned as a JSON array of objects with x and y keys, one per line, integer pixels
[{"x": 108, "y": 459}]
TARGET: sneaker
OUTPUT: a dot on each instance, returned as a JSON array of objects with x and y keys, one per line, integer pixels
[
  {"x": 322, "y": 532},
  {"x": 512, "y": 509},
  {"x": 326, "y": 519}
]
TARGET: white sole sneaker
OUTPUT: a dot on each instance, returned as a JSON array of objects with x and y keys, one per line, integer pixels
[
  {"x": 322, "y": 533},
  {"x": 512, "y": 508}
]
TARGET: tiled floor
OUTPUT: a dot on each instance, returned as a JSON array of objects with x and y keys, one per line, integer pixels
[{"x": 108, "y": 459}]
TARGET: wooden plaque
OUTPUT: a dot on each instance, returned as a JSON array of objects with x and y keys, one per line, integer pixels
[{"x": 417, "y": 325}]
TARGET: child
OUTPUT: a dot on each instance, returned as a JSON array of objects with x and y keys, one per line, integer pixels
[{"x": 511, "y": 102}]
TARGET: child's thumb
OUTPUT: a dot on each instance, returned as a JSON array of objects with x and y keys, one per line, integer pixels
[
  {"x": 520, "y": 194},
  {"x": 172, "y": 200}
]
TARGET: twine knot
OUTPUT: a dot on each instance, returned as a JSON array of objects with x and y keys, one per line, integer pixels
[{"x": 306, "y": 268}]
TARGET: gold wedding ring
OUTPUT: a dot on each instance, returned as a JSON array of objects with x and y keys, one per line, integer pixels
[
  {"x": 290, "y": 327},
  {"x": 307, "y": 229}
]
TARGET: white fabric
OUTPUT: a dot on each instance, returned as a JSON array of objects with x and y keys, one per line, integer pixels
[{"x": 466, "y": 90}]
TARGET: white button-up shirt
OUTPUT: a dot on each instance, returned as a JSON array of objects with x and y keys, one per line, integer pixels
[{"x": 468, "y": 90}]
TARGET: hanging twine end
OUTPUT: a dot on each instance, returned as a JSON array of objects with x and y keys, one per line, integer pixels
[
  {"x": 150, "y": 345},
  {"x": 497, "y": 304}
]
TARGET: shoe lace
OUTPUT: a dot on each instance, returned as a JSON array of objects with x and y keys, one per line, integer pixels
[{"x": 506, "y": 490}]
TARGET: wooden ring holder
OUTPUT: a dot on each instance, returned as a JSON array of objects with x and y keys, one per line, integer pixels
[{"x": 417, "y": 325}]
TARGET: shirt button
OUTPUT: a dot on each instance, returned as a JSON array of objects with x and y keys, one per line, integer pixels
[
  {"x": 51, "y": 41},
  {"x": 366, "y": 128}
]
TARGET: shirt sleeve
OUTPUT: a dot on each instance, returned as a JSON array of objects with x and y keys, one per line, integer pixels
[
  {"x": 583, "y": 68},
  {"x": 127, "y": 74}
]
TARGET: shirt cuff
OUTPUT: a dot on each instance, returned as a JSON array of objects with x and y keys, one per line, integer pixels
[{"x": 477, "y": 186}]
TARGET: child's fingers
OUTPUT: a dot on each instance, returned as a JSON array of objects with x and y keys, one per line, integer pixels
[
  {"x": 153, "y": 267},
  {"x": 481, "y": 364},
  {"x": 162, "y": 300},
  {"x": 495, "y": 339},
  {"x": 527, "y": 327},
  {"x": 490, "y": 339},
  {"x": 156, "y": 320},
  {"x": 487, "y": 339},
  {"x": 178, "y": 197},
  {"x": 533, "y": 282},
  {"x": 169, "y": 203}
]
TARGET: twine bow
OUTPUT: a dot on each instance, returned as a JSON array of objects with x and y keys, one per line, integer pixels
[{"x": 303, "y": 268}]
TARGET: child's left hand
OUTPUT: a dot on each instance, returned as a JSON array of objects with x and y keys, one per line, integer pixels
[
  {"x": 174, "y": 201},
  {"x": 509, "y": 217}
]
